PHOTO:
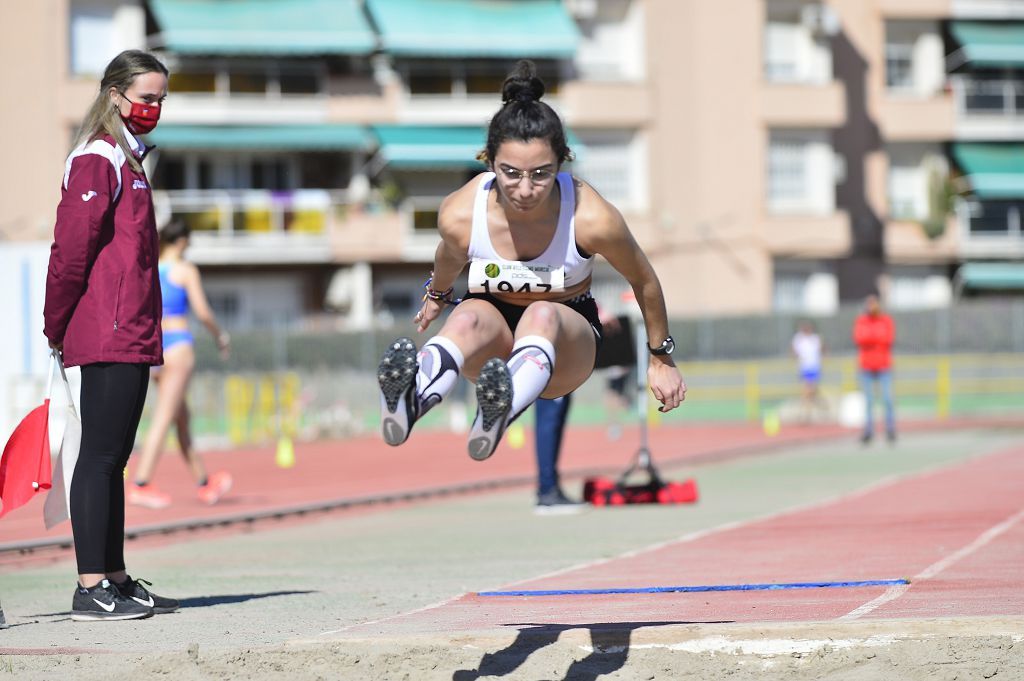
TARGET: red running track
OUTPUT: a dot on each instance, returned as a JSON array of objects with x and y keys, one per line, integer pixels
[
  {"x": 958, "y": 533},
  {"x": 365, "y": 466}
]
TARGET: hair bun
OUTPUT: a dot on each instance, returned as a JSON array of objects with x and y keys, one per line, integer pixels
[{"x": 522, "y": 84}]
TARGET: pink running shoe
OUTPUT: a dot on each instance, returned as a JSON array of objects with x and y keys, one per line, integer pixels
[
  {"x": 147, "y": 496},
  {"x": 217, "y": 485}
]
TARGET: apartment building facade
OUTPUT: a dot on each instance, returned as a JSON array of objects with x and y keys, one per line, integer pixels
[{"x": 768, "y": 154}]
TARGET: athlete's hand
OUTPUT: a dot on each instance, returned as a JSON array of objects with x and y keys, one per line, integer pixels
[
  {"x": 666, "y": 383},
  {"x": 430, "y": 311}
]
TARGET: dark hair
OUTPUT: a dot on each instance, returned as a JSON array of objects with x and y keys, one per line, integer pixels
[
  {"x": 174, "y": 230},
  {"x": 523, "y": 116}
]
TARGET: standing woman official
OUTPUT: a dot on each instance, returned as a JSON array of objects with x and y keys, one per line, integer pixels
[
  {"x": 102, "y": 312},
  {"x": 529, "y": 326}
]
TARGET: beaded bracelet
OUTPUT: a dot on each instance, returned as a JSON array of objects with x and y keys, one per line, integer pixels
[{"x": 439, "y": 296}]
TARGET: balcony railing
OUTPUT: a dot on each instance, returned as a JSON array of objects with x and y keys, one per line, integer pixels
[
  {"x": 992, "y": 228},
  {"x": 257, "y": 226},
  {"x": 1002, "y": 97}
]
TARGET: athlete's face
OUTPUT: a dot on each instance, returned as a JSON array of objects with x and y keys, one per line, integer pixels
[{"x": 526, "y": 172}]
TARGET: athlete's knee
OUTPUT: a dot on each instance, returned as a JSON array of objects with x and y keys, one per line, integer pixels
[
  {"x": 463, "y": 324},
  {"x": 539, "y": 318}
]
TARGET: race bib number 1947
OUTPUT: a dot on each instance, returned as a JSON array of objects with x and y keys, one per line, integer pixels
[{"x": 514, "y": 277}]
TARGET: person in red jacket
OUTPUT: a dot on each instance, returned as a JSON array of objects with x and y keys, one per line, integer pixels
[
  {"x": 102, "y": 312},
  {"x": 874, "y": 333}
]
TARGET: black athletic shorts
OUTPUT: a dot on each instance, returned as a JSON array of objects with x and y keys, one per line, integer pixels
[{"x": 583, "y": 303}]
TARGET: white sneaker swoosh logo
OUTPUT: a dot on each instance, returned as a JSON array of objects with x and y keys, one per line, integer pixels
[
  {"x": 148, "y": 602},
  {"x": 89, "y": 195},
  {"x": 108, "y": 608}
]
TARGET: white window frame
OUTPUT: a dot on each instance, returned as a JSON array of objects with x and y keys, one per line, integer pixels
[
  {"x": 812, "y": 163},
  {"x": 614, "y": 162}
]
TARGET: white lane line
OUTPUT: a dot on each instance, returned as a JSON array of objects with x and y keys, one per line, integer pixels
[{"x": 894, "y": 592}]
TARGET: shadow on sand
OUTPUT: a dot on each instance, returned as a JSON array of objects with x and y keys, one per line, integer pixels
[{"x": 610, "y": 644}]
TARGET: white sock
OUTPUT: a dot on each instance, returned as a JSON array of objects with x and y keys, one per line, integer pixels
[
  {"x": 531, "y": 364},
  {"x": 440, "y": 362}
]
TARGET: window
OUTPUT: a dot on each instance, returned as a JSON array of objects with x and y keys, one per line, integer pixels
[
  {"x": 899, "y": 66},
  {"x": 247, "y": 77},
  {"x": 192, "y": 81},
  {"x": 786, "y": 170},
  {"x": 248, "y": 83},
  {"x": 996, "y": 218},
  {"x": 801, "y": 172},
  {"x": 781, "y": 52},
  {"x": 612, "y": 45},
  {"x": 93, "y": 37},
  {"x": 907, "y": 199},
  {"x": 804, "y": 287},
  {"x": 430, "y": 84},
  {"x": 458, "y": 79},
  {"x": 424, "y": 220},
  {"x": 299, "y": 84},
  {"x": 169, "y": 174},
  {"x": 611, "y": 161}
]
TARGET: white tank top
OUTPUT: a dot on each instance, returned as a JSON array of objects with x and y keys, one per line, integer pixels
[{"x": 560, "y": 266}]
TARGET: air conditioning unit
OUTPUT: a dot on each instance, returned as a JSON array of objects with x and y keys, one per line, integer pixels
[
  {"x": 820, "y": 19},
  {"x": 582, "y": 9}
]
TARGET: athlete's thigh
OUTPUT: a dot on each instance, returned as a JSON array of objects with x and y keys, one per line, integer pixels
[
  {"x": 575, "y": 349},
  {"x": 480, "y": 332}
]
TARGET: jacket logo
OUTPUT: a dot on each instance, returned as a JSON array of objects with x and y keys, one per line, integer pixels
[
  {"x": 139, "y": 184},
  {"x": 88, "y": 195}
]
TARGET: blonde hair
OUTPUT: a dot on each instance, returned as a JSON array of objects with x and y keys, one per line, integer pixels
[{"x": 102, "y": 117}]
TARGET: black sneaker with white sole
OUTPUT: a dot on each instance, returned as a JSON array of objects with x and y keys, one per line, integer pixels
[
  {"x": 136, "y": 590},
  {"x": 494, "y": 406},
  {"x": 396, "y": 376},
  {"x": 105, "y": 602},
  {"x": 554, "y": 502}
]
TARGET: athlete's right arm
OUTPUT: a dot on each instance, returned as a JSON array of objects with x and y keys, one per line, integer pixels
[
  {"x": 89, "y": 191},
  {"x": 454, "y": 224}
]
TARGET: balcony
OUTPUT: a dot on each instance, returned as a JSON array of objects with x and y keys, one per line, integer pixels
[
  {"x": 912, "y": 119},
  {"x": 914, "y": 9},
  {"x": 792, "y": 105},
  {"x": 807, "y": 236},
  {"x": 906, "y": 242},
  {"x": 991, "y": 229},
  {"x": 989, "y": 108},
  {"x": 251, "y": 109},
  {"x": 235, "y": 227},
  {"x": 256, "y": 227}
]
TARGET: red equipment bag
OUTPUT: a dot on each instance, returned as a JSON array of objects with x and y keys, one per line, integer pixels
[{"x": 610, "y": 492}]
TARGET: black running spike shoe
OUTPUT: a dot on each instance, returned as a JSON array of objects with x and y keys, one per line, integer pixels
[
  {"x": 494, "y": 406},
  {"x": 105, "y": 602},
  {"x": 396, "y": 376}
]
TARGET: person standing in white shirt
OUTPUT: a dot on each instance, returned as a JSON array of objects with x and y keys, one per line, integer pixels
[{"x": 808, "y": 349}]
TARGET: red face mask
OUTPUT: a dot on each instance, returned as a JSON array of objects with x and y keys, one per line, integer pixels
[{"x": 142, "y": 118}]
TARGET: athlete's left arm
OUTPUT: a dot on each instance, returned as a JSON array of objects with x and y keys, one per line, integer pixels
[
  {"x": 200, "y": 305},
  {"x": 601, "y": 229}
]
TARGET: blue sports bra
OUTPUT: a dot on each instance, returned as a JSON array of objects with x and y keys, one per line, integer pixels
[{"x": 175, "y": 297}]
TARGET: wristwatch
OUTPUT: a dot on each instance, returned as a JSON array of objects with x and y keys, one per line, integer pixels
[{"x": 666, "y": 347}]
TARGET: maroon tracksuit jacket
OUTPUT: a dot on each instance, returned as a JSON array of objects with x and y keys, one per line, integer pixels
[{"x": 103, "y": 286}]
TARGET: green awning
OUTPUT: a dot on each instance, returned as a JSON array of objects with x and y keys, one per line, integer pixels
[
  {"x": 263, "y": 27},
  {"x": 994, "y": 171},
  {"x": 991, "y": 275},
  {"x": 531, "y": 29},
  {"x": 413, "y": 147},
  {"x": 313, "y": 137},
  {"x": 990, "y": 44}
]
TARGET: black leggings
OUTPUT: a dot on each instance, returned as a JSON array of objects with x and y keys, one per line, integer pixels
[{"x": 112, "y": 399}]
